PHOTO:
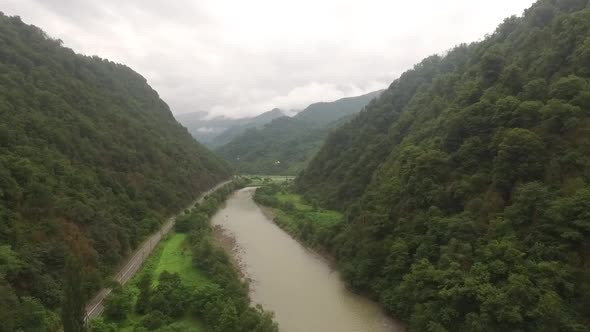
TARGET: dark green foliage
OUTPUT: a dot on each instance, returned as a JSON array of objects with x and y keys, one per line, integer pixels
[
  {"x": 285, "y": 145},
  {"x": 9, "y": 304},
  {"x": 145, "y": 292},
  {"x": 182, "y": 224},
  {"x": 466, "y": 184},
  {"x": 72, "y": 309},
  {"x": 519, "y": 158},
  {"x": 118, "y": 304},
  {"x": 99, "y": 325},
  {"x": 154, "y": 320},
  {"x": 91, "y": 160},
  {"x": 170, "y": 296},
  {"x": 24, "y": 314}
]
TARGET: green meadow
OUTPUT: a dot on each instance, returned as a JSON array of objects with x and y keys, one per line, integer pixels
[
  {"x": 173, "y": 255},
  {"x": 176, "y": 257},
  {"x": 304, "y": 220}
]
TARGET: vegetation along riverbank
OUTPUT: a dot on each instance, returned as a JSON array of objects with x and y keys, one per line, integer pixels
[
  {"x": 189, "y": 284},
  {"x": 304, "y": 220}
]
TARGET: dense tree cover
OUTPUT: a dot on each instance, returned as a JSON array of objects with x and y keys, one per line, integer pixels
[
  {"x": 73, "y": 304},
  {"x": 285, "y": 145},
  {"x": 223, "y": 303},
  {"x": 467, "y": 183},
  {"x": 91, "y": 160},
  {"x": 281, "y": 147}
]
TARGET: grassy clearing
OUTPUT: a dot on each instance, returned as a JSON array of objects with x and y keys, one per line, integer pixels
[
  {"x": 172, "y": 255},
  {"x": 265, "y": 180},
  {"x": 176, "y": 257},
  {"x": 297, "y": 200},
  {"x": 315, "y": 214},
  {"x": 292, "y": 220},
  {"x": 303, "y": 220}
]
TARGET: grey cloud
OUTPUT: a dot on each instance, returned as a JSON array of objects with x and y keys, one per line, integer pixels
[{"x": 240, "y": 58}]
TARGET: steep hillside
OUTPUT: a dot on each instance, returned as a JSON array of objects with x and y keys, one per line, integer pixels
[
  {"x": 91, "y": 161},
  {"x": 285, "y": 145},
  {"x": 221, "y": 130},
  {"x": 467, "y": 183},
  {"x": 281, "y": 147}
]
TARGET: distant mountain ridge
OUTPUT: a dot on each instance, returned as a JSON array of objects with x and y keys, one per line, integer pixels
[
  {"x": 219, "y": 130},
  {"x": 247, "y": 123},
  {"x": 323, "y": 113},
  {"x": 285, "y": 145}
]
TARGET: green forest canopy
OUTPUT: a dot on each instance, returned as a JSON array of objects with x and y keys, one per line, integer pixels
[
  {"x": 91, "y": 161},
  {"x": 466, "y": 185}
]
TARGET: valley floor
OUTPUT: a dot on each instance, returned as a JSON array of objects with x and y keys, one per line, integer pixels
[
  {"x": 173, "y": 255},
  {"x": 187, "y": 284}
]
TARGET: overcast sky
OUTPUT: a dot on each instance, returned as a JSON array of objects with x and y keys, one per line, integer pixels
[{"x": 244, "y": 57}]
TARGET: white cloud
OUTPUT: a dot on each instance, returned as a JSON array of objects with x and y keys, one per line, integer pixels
[{"x": 241, "y": 58}]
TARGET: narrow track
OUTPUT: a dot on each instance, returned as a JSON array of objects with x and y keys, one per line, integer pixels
[{"x": 95, "y": 307}]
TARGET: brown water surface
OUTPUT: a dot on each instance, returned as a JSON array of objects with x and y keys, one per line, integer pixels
[{"x": 305, "y": 293}]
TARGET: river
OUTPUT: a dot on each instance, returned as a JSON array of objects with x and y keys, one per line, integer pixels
[{"x": 304, "y": 291}]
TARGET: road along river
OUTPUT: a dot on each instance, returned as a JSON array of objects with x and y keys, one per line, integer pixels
[
  {"x": 95, "y": 307},
  {"x": 304, "y": 291}
]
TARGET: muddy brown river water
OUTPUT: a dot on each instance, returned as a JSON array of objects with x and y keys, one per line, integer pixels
[{"x": 304, "y": 291}]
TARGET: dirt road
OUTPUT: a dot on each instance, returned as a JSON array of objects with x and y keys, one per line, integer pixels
[{"x": 95, "y": 306}]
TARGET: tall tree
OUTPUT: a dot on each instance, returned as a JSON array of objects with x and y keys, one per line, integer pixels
[{"x": 72, "y": 310}]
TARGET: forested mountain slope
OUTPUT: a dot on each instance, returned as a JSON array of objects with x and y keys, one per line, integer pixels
[
  {"x": 467, "y": 183},
  {"x": 285, "y": 145},
  {"x": 91, "y": 161}
]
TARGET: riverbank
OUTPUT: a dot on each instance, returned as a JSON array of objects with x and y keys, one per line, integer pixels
[
  {"x": 309, "y": 224},
  {"x": 296, "y": 283},
  {"x": 312, "y": 226},
  {"x": 189, "y": 284},
  {"x": 271, "y": 214},
  {"x": 229, "y": 244},
  {"x": 129, "y": 268}
]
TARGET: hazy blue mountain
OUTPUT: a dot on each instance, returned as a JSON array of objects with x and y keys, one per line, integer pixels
[
  {"x": 240, "y": 127},
  {"x": 323, "y": 113},
  {"x": 220, "y": 130}
]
